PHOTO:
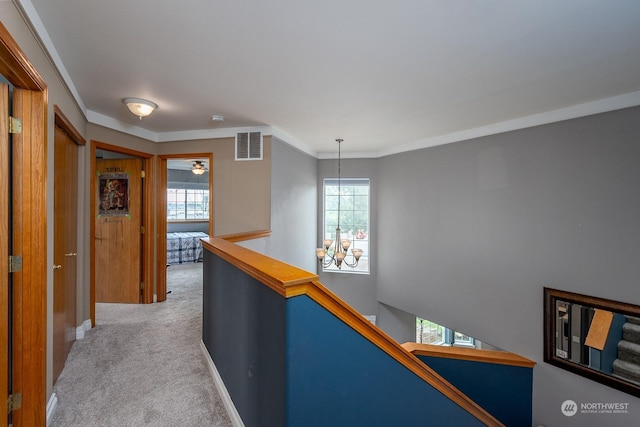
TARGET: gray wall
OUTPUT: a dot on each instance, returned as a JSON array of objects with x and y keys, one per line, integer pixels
[
  {"x": 58, "y": 95},
  {"x": 359, "y": 290},
  {"x": 473, "y": 230},
  {"x": 294, "y": 209},
  {"x": 398, "y": 324},
  {"x": 178, "y": 178},
  {"x": 179, "y": 227},
  {"x": 243, "y": 328}
]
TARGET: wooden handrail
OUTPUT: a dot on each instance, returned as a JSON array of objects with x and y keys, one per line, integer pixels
[
  {"x": 248, "y": 235},
  {"x": 471, "y": 354},
  {"x": 273, "y": 273},
  {"x": 289, "y": 281}
]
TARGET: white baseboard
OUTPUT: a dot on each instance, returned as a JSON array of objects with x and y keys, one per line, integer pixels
[
  {"x": 236, "y": 421},
  {"x": 80, "y": 330},
  {"x": 52, "y": 405}
]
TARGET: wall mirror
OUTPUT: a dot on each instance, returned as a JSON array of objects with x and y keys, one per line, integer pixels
[{"x": 593, "y": 337}]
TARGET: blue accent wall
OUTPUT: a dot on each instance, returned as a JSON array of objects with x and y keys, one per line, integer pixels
[
  {"x": 335, "y": 377},
  {"x": 291, "y": 363},
  {"x": 243, "y": 330},
  {"x": 504, "y": 391}
]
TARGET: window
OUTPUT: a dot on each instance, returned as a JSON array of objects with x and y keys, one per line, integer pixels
[
  {"x": 428, "y": 332},
  {"x": 353, "y": 196},
  {"x": 187, "y": 204},
  {"x": 461, "y": 339}
]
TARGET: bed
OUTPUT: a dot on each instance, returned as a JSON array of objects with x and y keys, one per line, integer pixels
[{"x": 184, "y": 247}]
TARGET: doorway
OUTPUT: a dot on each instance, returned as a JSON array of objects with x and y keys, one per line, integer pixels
[
  {"x": 112, "y": 217},
  {"x": 24, "y": 229},
  {"x": 187, "y": 159}
]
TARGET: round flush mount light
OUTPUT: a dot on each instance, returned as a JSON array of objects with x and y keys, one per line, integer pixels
[
  {"x": 217, "y": 118},
  {"x": 140, "y": 107}
]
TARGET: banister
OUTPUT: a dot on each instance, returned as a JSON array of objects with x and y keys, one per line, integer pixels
[
  {"x": 290, "y": 281},
  {"x": 273, "y": 273},
  {"x": 248, "y": 235},
  {"x": 471, "y": 354}
]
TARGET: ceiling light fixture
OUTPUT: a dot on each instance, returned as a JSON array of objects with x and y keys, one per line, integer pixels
[
  {"x": 217, "y": 118},
  {"x": 198, "y": 168},
  {"x": 328, "y": 255},
  {"x": 140, "y": 107}
]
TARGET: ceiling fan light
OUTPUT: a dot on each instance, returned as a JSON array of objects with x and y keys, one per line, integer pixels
[
  {"x": 198, "y": 168},
  {"x": 140, "y": 107}
]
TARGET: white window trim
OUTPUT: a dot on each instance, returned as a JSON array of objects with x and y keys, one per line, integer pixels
[{"x": 346, "y": 269}]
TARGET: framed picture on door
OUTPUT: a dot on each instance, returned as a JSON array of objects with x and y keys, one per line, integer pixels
[{"x": 113, "y": 194}]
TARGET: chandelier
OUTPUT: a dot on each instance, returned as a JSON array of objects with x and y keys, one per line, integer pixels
[{"x": 335, "y": 251}]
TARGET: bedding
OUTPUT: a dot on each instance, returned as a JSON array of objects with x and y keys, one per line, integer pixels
[{"x": 184, "y": 247}]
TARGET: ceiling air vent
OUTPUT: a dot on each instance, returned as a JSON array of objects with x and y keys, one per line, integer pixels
[{"x": 249, "y": 146}]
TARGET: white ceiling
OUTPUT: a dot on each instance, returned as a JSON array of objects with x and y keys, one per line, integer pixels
[{"x": 385, "y": 76}]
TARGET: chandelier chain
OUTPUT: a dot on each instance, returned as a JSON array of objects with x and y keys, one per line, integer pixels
[
  {"x": 335, "y": 251},
  {"x": 339, "y": 187}
]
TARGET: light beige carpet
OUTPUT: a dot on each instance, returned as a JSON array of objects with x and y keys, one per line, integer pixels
[{"x": 142, "y": 365}]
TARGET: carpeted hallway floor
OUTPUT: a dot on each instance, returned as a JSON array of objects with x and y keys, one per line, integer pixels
[{"x": 142, "y": 365}]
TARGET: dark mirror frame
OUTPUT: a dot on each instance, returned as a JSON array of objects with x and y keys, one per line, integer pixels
[{"x": 550, "y": 298}]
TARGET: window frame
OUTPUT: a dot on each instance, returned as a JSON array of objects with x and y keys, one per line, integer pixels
[
  {"x": 448, "y": 335},
  {"x": 432, "y": 327},
  {"x": 204, "y": 193},
  {"x": 364, "y": 265}
]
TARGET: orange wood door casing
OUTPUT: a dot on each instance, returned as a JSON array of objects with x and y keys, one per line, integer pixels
[
  {"x": 29, "y": 240},
  {"x": 4, "y": 252},
  {"x": 27, "y": 232},
  {"x": 118, "y": 230},
  {"x": 64, "y": 247}
]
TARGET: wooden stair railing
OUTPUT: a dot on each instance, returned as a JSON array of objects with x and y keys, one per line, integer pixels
[
  {"x": 290, "y": 281},
  {"x": 471, "y": 354},
  {"x": 247, "y": 235}
]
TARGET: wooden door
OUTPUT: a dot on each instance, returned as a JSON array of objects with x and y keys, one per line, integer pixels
[
  {"x": 65, "y": 201},
  {"x": 118, "y": 230},
  {"x": 27, "y": 233},
  {"x": 4, "y": 252}
]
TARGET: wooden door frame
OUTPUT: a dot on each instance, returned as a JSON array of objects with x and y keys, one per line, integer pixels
[
  {"x": 65, "y": 124},
  {"x": 4, "y": 251},
  {"x": 29, "y": 233},
  {"x": 146, "y": 221},
  {"x": 161, "y": 208}
]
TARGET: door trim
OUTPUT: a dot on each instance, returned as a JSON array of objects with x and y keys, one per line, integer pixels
[
  {"x": 65, "y": 124},
  {"x": 161, "y": 207},
  {"x": 30, "y": 232},
  {"x": 147, "y": 222}
]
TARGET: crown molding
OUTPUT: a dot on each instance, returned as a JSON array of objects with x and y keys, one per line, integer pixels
[{"x": 576, "y": 111}]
